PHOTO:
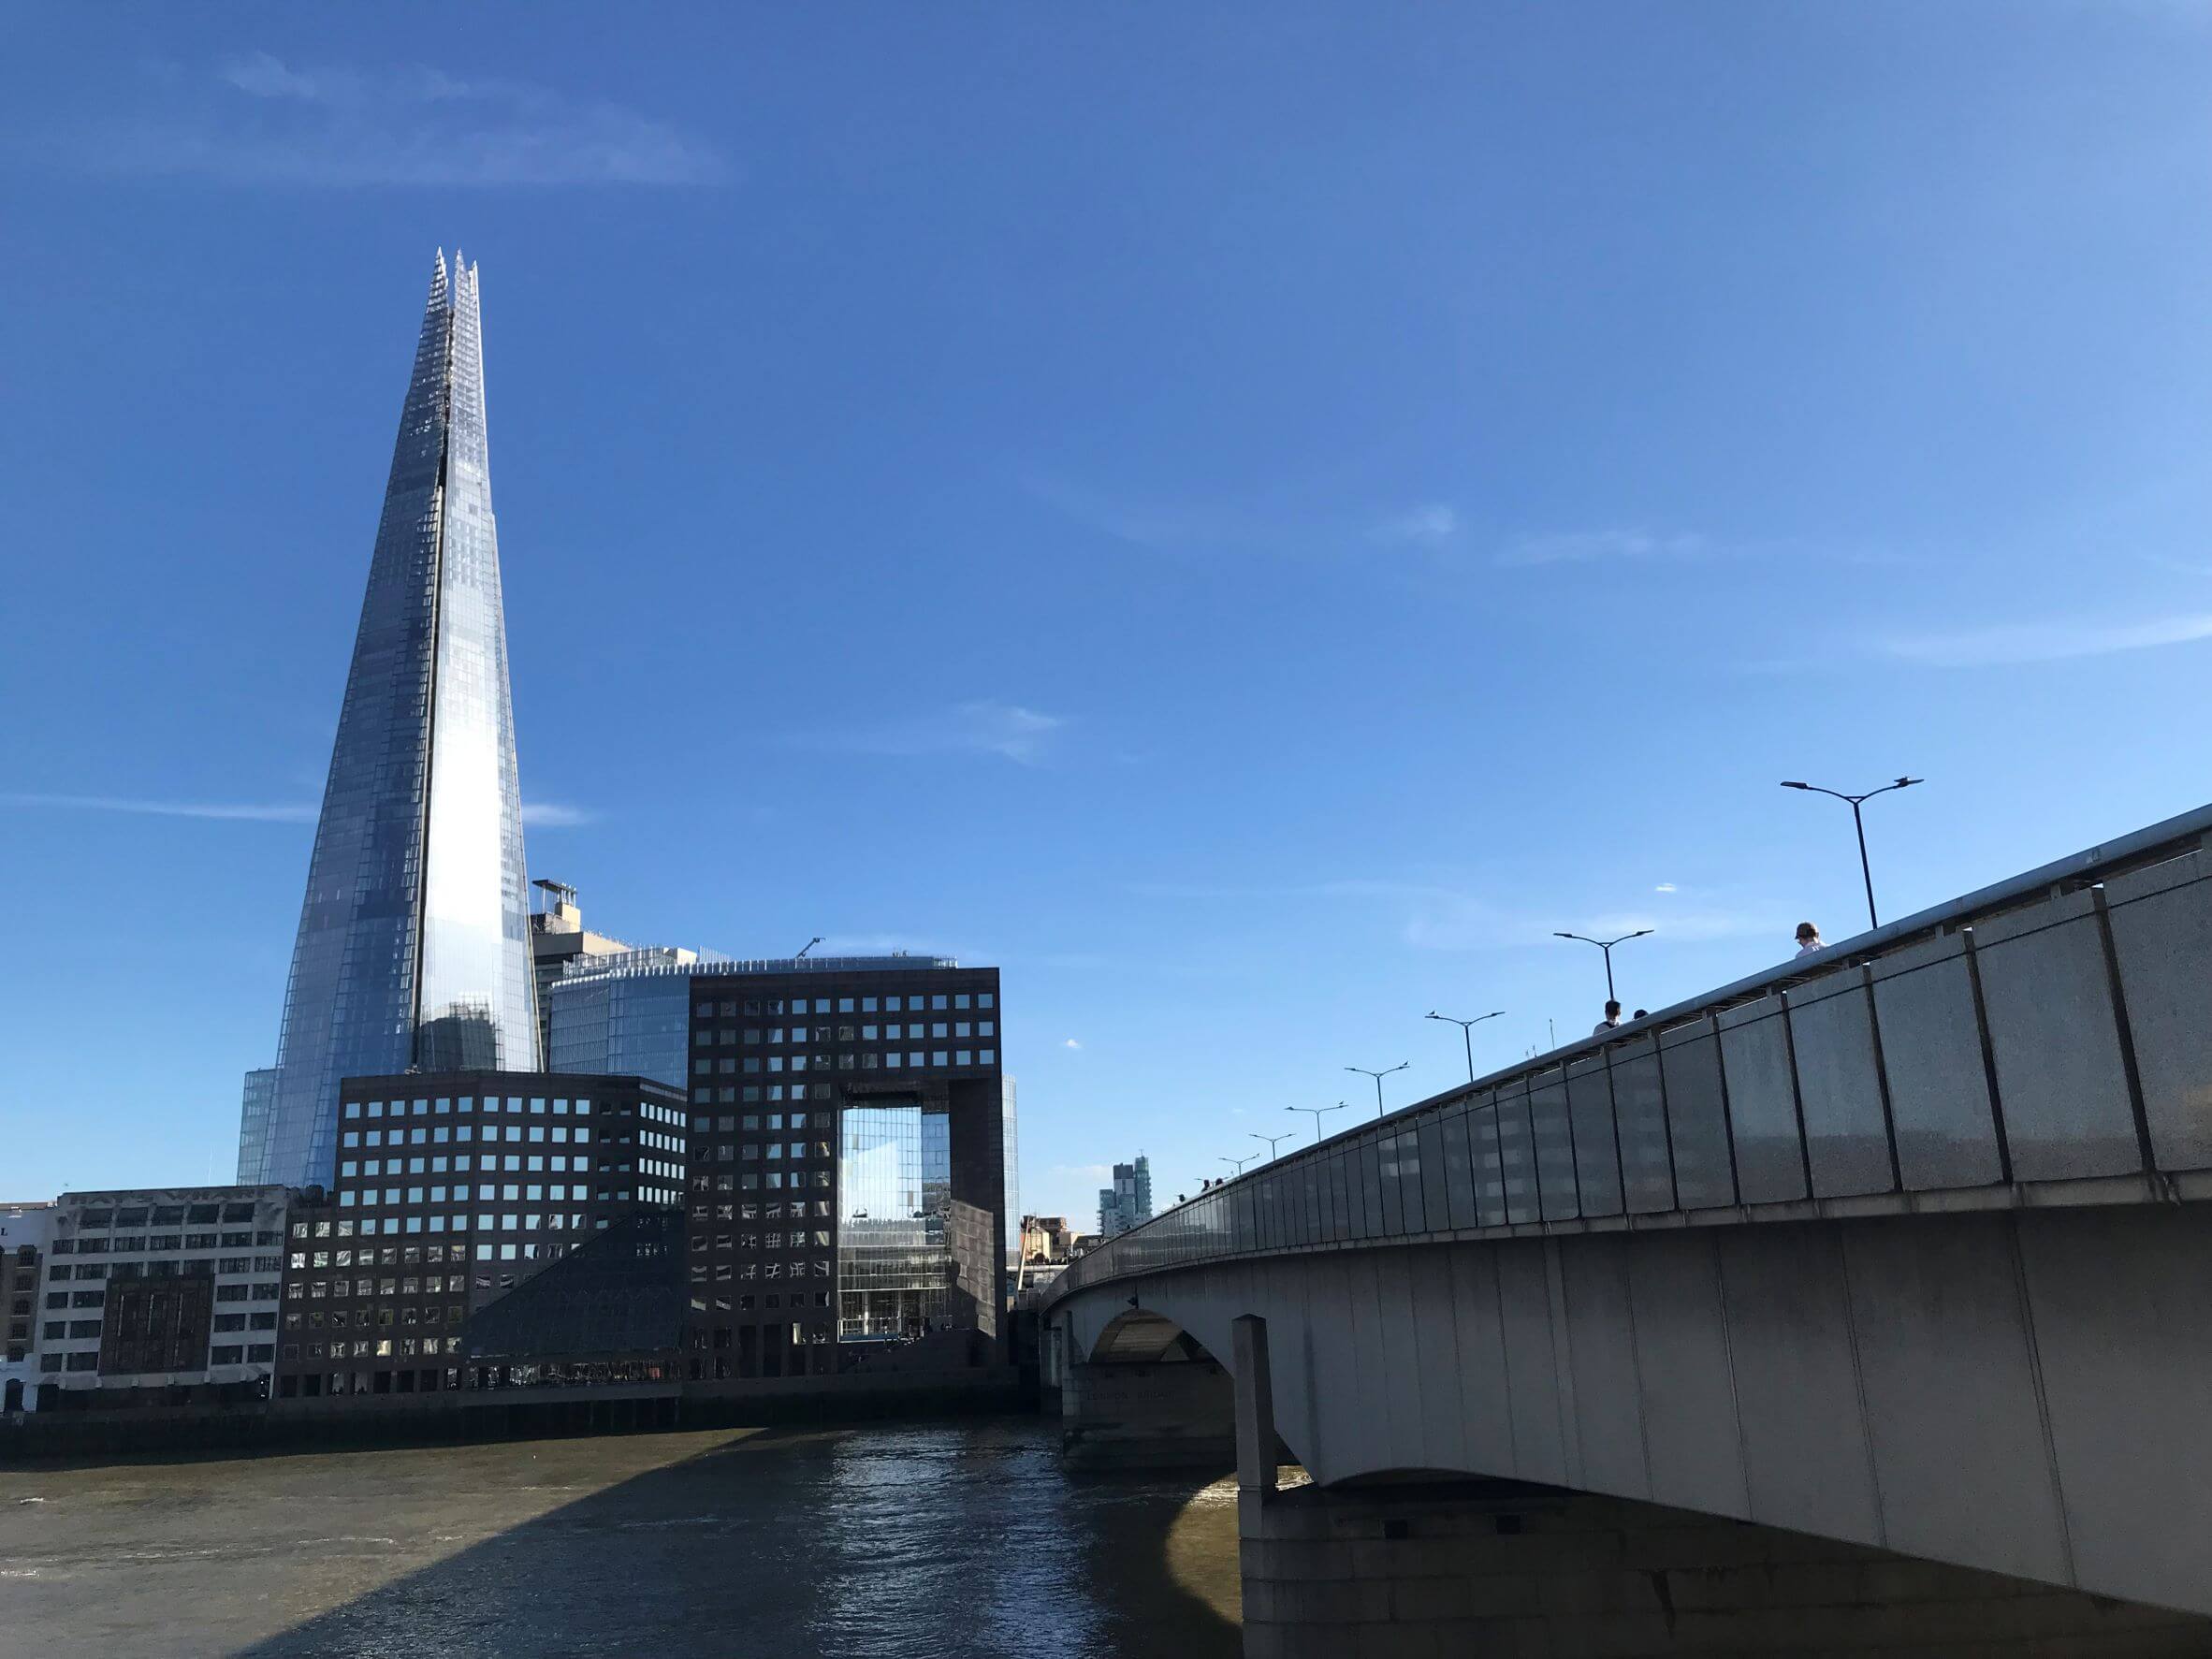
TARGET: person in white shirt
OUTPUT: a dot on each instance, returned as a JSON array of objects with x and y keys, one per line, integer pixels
[
  {"x": 1611, "y": 1023},
  {"x": 1809, "y": 939}
]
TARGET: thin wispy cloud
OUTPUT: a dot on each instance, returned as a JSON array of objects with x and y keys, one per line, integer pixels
[
  {"x": 2002, "y": 644},
  {"x": 2180, "y": 567},
  {"x": 1160, "y": 526},
  {"x": 1071, "y": 1042},
  {"x": 554, "y": 815},
  {"x": 981, "y": 727},
  {"x": 1436, "y": 916},
  {"x": 1464, "y": 922},
  {"x": 542, "y": 814},
  {"x": 262, "y": 120},
  {"x": 1665, "y": 887},
  {"x": 1291, "y": 522},
  {"x": 1427, "y": 526},
  {"x": 237, "y": 811},
  {"x": 1584, "y": 547}
]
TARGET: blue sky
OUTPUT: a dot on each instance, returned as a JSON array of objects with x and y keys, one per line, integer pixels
[{"x": 1247, "y": 517}]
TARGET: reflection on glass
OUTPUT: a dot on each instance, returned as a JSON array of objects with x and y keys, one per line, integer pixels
[
  {"x": 413, "y": 943},
  {"x": 895, "y": 1265}
]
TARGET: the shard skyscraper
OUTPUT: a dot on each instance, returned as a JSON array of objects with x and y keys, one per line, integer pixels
[{"x": 414, "y": 945}]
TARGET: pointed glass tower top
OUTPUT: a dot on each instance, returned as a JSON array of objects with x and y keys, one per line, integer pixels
[{"x": 414, "y": 945}]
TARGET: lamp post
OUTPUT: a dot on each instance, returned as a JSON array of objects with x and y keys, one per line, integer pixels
[
  {"x": 1466, "y": 1030},
  {"x": 1859, "y": 823},
  {"x": 1318, "y": 1113},
  {"x": 1270, "y": 1139},
  {"x": 1238, "y": 1163},
  {"x": 1607, "y": 946},
  {"x": 1378, "y": 1076}
]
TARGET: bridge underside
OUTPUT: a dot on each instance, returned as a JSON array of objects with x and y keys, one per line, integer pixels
[{"x": 2025, "y": 1393}]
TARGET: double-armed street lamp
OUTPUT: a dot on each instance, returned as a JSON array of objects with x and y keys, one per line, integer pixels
[
  {"x": 1607, "y": 946},
  {"x": 1318, "y": 1113},
  {"x": 1466, "y": 1030},
  {"x": 1859, "y": 823},
  {"x": 1238, "y": 1163},
  {"x": 1378, "y": 1076},
  {"x": 1272, "y": 1141}
]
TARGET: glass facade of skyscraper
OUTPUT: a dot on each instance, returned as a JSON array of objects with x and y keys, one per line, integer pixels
[
  {"x": 894, "y": 1264},
  {"x": 414, "y": 941},
  {"x": 623, "y": 1015}
]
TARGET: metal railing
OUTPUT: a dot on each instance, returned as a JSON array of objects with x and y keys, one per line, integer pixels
[{"x": 2054, "y": 1026}]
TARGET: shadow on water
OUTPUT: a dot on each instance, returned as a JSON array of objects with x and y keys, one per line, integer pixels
[{"x": 941, "y": 1539}]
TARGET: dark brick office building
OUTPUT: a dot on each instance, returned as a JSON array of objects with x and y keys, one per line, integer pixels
[
  {"x": 452, "y": 1190},
  {"x": 847, "y": 1182}
]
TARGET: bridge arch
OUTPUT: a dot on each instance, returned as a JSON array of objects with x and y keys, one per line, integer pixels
[{"x": 1143, "y": 1336}]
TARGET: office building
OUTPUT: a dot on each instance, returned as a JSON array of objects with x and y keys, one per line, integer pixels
[
  {"x": 1044, "y": 1238},
  {"x": 163, "y": 1295},
  {"x": 1128, "y": 1201},
  {"x": 24, "y": 1229},
  {"x": 452, "y": 1190},
  {"x": 560, "y": 943},
  {"x": 626, "y": 1014},
  {"x": 631, "y": 1012},
  {"x": 847, "y": 1145},
  {"x": 414, "y": 944}
]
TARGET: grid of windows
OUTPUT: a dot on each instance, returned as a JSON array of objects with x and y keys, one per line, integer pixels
[
  {"x": 777, "y": 1065},
  {"x": 448, "y": 1195},
  {"x": 766, "y": 1050},
  {"x": 162, "y": 1287},
  {"x": 763, "y": 1241}
]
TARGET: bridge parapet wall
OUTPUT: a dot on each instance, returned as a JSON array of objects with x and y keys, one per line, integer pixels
[{"x": 2042, "y": 1042}]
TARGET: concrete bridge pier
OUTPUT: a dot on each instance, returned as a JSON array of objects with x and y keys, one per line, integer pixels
[{"x": 1414, "y": 1563}]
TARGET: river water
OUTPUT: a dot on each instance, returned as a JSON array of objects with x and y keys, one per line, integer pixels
[{"x": 939, "y": 1540}]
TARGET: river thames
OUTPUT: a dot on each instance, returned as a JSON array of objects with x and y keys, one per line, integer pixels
[{"x": 942, "y": 1539}]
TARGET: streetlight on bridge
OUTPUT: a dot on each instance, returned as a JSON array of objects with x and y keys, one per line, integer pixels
[
  {"x": 1378, "y": 1076},
  {"x": 1270, "y": 1139},
  {"x": 1238, "y": 1163},
  {"x": 1607, "y": 946},
  {"x": 1319, "y": 1111},
  {"x": 1466, "y": 1030},
  {"x": 1859, "y": 823}
]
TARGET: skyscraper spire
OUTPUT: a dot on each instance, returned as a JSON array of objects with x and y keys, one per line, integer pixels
[{"x": 414, "y": 941}]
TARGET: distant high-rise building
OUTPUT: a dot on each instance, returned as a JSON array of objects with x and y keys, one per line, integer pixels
[
  {"x": 414, "y": 944},
  {"x": 559, "y": 943},
  {"x": 1128, "y": 1201}
]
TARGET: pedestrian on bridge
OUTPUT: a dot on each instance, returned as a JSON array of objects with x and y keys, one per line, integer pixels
[
  {"x": 1611, "y": 1023},
  {"x": 1809, "y": 939}
]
